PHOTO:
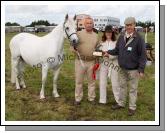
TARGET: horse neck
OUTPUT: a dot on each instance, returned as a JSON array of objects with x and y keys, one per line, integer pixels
[
  {"x": 58, "y": 34},
  {"x": 58, "y": 28}
]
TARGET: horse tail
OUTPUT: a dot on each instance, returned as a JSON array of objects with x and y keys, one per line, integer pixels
[{"x": 13, "y": 74}]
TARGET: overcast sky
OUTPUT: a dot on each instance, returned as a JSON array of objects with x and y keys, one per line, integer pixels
[{"x": 25, "y": 14}]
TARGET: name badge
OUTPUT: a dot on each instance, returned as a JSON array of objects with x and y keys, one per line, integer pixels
[{"x": 129, "y": 49}]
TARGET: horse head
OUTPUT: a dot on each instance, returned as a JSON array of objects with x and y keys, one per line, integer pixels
[{"x": 70, "y": 30}]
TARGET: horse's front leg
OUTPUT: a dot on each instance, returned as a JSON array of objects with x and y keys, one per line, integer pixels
[
  {"x": 44, "y": 77},
  {"x": 56, "y": 74}
]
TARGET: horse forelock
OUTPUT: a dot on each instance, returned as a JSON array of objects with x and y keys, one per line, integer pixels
[{"x": 70, "y": 22}]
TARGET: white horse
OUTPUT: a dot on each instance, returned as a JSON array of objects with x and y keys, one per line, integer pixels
[{"x": 43, "y": 51}]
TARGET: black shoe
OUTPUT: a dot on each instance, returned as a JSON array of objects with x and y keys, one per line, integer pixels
[
  {"x": 116, "y": 106},
  {"x": 77, "y": 103},
  {"x": 131, "y": 112}
]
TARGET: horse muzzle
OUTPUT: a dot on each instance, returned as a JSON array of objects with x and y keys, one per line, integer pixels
[{"x": 75, "y": 42}]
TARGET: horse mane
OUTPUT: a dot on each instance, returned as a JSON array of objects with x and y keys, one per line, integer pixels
[{"x": 56, "y": 29}]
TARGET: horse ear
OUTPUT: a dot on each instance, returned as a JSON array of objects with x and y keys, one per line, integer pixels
[
  {"x": 66, "y": 17},
  {"x": 75, "y": 17}
]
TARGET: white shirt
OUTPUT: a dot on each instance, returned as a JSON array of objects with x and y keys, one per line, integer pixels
[
  {"x": 108, "y": 45},
  {"x": 128, "y": 35}
]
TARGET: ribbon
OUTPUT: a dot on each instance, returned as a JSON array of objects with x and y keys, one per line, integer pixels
[{"x": 95, "y": 68}]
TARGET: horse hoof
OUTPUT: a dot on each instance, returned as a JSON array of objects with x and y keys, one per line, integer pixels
[
  {"x": 42, "y": 97},
  {"x": 18, "y": 88},
  {"x": 56, "y": 96},
  {"x": 23, "y": 86}
]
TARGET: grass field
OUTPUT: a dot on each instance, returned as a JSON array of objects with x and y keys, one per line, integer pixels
[{"x": 25, "y": 104}]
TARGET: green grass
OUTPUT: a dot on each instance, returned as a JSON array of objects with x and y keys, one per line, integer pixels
[{"x": 25, "y": 104}]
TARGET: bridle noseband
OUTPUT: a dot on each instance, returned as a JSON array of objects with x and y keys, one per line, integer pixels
[{"x": 67, "y": 33}]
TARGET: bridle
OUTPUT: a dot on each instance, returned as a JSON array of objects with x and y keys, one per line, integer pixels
[
  {"x": 73, "y": 46},
  {"x": 67, "y": 33}
]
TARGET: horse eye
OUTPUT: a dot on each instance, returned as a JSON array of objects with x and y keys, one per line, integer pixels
[{"x": 67, "y": 28}]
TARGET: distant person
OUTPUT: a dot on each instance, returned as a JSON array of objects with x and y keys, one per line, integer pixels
[{"x": 95, "y": 30}]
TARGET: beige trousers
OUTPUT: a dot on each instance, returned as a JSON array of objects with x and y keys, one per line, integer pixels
[
  {"x": 80, "y": 72},
  {"x": 111, "y": 69},
  {"x": 131, "y": 77}
]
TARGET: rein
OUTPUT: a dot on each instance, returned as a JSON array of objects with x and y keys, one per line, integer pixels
[{"x": 67, "y": 33}]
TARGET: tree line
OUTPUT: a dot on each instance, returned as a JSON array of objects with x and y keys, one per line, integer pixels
[
  {"x": 145, "y": 24},
  {"x": 39, "y": 22},
  {"x": 11, "y": 24},
  {"x": 47, "y": 23}
]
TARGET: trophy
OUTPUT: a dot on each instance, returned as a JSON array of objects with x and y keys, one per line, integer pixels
[{"x": 98, "y": 52}]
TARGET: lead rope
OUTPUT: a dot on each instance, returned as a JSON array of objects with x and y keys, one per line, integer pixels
[
  {"x": 79, "y": 56},
  {"x": 74, "y": 47}
]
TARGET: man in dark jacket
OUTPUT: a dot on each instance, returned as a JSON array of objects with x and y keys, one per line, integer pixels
[{"x": 131, "y": 51}]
